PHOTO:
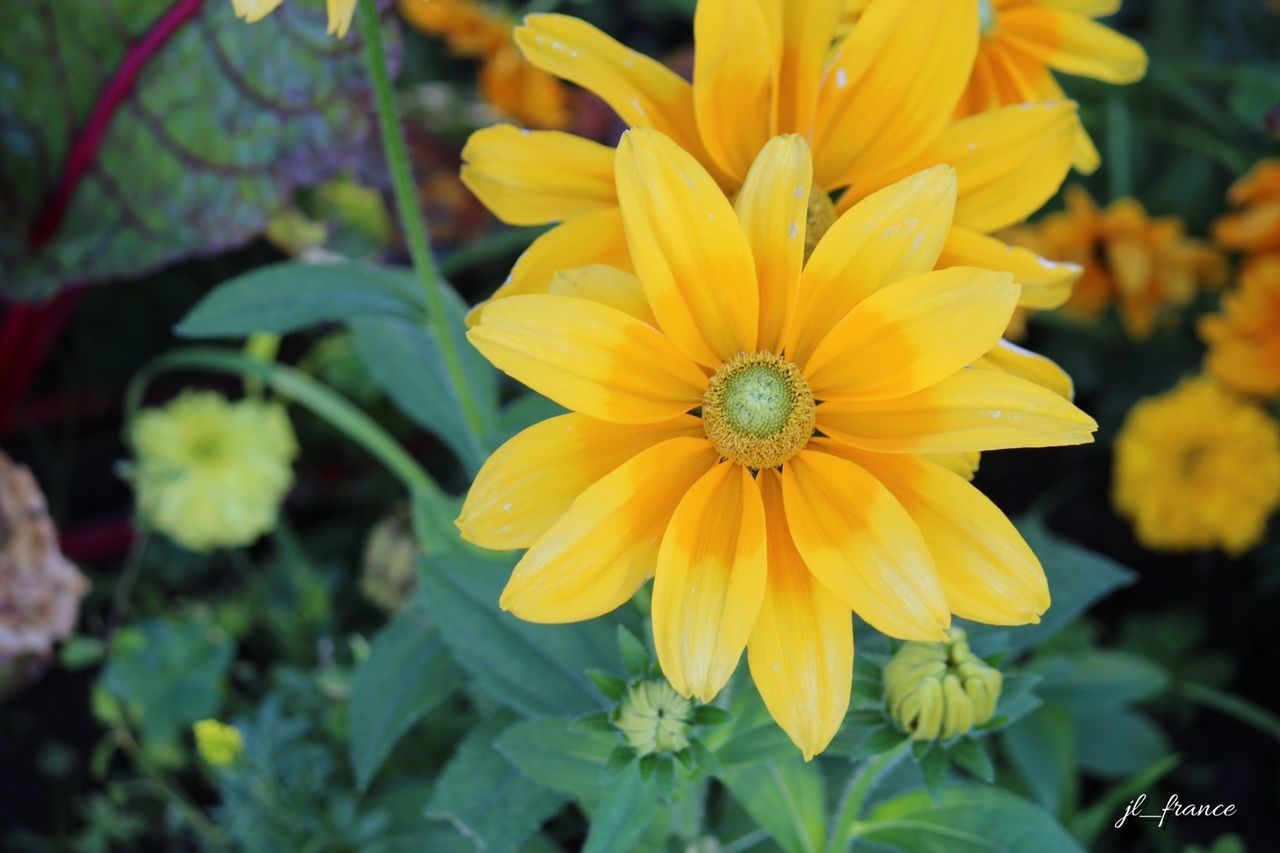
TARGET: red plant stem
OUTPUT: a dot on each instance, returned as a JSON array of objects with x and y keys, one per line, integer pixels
[{"x": 84, "y": 148}]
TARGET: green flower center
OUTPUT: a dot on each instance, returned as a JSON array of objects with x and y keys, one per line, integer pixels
[
  {"x": 758, "y": 410},
  {"x": 986, "y": 18}
]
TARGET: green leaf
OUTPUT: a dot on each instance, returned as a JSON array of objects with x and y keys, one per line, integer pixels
[
  {"x": 608, "y": 684},
  {"x": 1041, "y": 748},
  {"x": 404, "y": 359},
  {"x": 408, "y": 672},
  {"x": 965, "y": 818},
  {"x": 175, "y": 130},
  {"x": 971, "y": 756},
  {"x": 559, "y": 754},
  {"x": 1116, "y": 742},
  {"x": 933, "y": 764},
  {"x": 710, "y": 715},
  {"x": 168, "y": 673},
  {"x": 537, "y": 670},
  {"x": 752, "y": 736},
  {"x": 1101, "y": 677},
  {"x": 635, "y": 657},
  {"x": 1254, "y": 93},
  {"x": 1077, "y": 578},
  {"x": 784, "y": 797},
  {"x": 488, "y": 799},
  {"x": 623, "y": 816},
  {"x": 289, "y": 296}
]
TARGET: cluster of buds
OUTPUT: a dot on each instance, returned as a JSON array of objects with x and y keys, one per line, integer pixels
[
  {"x": 940, "y": 690},
  {"x": 40, "y": 590}
]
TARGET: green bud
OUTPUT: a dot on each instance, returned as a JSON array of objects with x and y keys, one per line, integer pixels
[
  {"x": 940, "y": 690},
  {"x": 654, "y": 718}
]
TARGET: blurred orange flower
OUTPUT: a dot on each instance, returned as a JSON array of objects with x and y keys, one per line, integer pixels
[
  {"x": 1141, "y": 263},
  {"x": 1244, "y": 340},
  {"x": 527, "y": 94},
  {"x": 1255, "y": 227}
]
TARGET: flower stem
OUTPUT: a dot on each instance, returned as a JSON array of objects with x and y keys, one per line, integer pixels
[
  {"x": 1232, "y": 706},
  {"x": 411, "y": 221}
]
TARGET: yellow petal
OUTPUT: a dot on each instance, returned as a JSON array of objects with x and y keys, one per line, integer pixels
[
  {"x": 807, "y": 29},
  {"x": 734, "y": 75},
  {"x": 596, "y": 238},
  {"x": 970, "y": 410},
  {"x": 688, "y": 249},
  {"x": 986, "y": 569},
  {"x": 710, "y": 581},
  {"x": 861, "y": 545},
  {"x": 606, "y": 285},
  {"x": 912, "y": 334},
  {"x": 1033, "y": 367},
  {"x": 1074, "y": 44},
  {"x": 801, "y": 649},
  {"x": 1045, "y": 284},
  {"x": 643, "y": 92},
  {"x": 962, "y": 464},
  {"x": 892, "y": 234},
  {"x": 773, "y": 206},
  {"x": 531, "y": 177},
  {"x": 892, "y": 86},
  {"x": 532, "y": 479},
  {"x": 599, "y": 551},
  {"x": 340, "y": 14},
  {"x": 1092, "y": 8},
  {"x": 589, "y": 358}
]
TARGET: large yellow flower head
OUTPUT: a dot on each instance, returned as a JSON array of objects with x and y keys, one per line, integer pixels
[
  {"x": 1244, "y": 340},
  {"x": 1022, "y": 42},
  {"x": 210, "y": 473},
  {"x": 340, "y": 12},
  {"x": 745, "y": 428},
  {"x": 875, "y": 106},
  {"x": 513, "y": 86},
  {"x": 1255, "y": 228},
  {"x": 1142, "y": 264},
  {"x": 1197, "y": 468}
]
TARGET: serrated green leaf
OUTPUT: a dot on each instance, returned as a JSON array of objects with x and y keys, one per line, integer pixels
[
  {"x": 408, "y": 672},
  {"x": 561, "y": 756},
  {"x": 176, "y": 130},
  {"x": 620, "y": 758},
  {"x": 971, "y": 756},
  {"x": 608, "y": 684},
  {"x": 486, "y": 797},
  {"x": 294, "y": 295},
  {"x": 597, "y": 722},
  {"x": 648, "y": 763}
]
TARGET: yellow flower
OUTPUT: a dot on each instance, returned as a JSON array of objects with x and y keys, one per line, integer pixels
[
  {"x": 217, "y": 743},
  {"x": 875, "y": 107},
  {"x": 210, "y": 473},
  {"x": 1024, "y": 41},
  {"x": 1255, "y": 228},
  {"x": 940, "y": 690},
  {"x": 744, "y": 428},
  {"x": 529, "y": 95},
  {"x": 1197, "y": 468},
  {"x": 1244, "y": 340},
  {"x": 1142, "y": 264},
  {"x": 340, "y": 12}
]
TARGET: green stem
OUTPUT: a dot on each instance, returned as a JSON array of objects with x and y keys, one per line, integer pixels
[
  {"x": 415, "y": 227},
  {"x": 1233, "y": 706},
  {"x": 1119, "y": 162},
  {"x": 864, "y": 779},
  {"x": 302, "y": 389}
]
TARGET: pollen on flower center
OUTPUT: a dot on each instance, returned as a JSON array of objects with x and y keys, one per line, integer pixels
[
  {"x": 758, "y": 410},
  {"x": 986, "y": 18}
]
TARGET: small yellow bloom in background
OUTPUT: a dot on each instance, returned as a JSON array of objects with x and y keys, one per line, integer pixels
[
  {"x": 218, "y": 744},
  {"x": 340, "y": 12},
  {"x": 1244, "y": 339},
  {"x": 1197, "y": 468},
  {"x": 210, "y": 473},
  {"x": 472, "y": 29},
  {"x": 938, "y": 691},
  {"x": 389, "y": 564},
  {"x": 1254, "y": 229},
  {"x": 654, "y": 718},
  {"x": 1141, "y": 264},
  {"x": 874, "y": 106},
  {"x": 1024, "y": 41},
  {"x": 757, "y": 441}
]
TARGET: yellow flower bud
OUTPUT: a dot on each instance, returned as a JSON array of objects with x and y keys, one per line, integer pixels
[
  {"x": 940, "y": 690},
  {"x": 217, "y": 743},
  {"x": 389, "y": 568},
  {"x": 653, "y": 717}
]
